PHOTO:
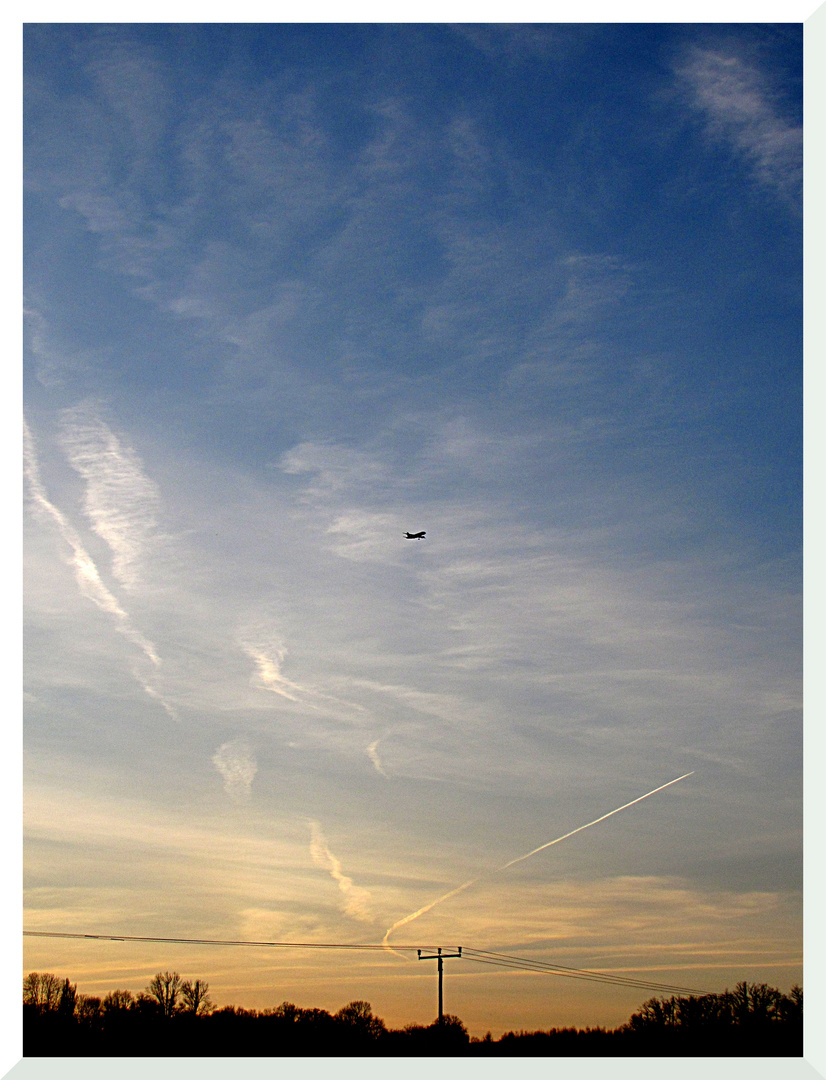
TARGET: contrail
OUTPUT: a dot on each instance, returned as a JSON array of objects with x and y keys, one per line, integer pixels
[
  {"x": 596, "y": 821},
  {"x": 427, "y": 907},
  {"x": 521, "y": 858}
]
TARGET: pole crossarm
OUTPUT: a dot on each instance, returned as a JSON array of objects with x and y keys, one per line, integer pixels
[{"x": 440, "y": 956}]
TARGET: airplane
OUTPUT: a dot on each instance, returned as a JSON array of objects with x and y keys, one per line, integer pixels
[{"x": 415, "y": 536}]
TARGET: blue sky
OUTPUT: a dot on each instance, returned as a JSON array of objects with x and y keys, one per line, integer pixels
[{"x": 293, "y": 290}]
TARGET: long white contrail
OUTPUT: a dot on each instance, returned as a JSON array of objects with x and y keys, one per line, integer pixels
[
  {"x": 596, "y": 821},
  {"x": 521, "y": 858}
]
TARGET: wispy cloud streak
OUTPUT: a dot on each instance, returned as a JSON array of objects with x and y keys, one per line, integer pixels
[
  {"x": 521, "y": 858},
  {"x": 268, "y": 656},
  {"x": 740, "y": 110},
  {"x": 373, "y": 754},
  {"x": 356, "y": 900},
  {"x": 86, "y": 573},
  {"x": 87, "y": 576},
  {"x": 120, "y": 500},
  {"x": 168, "y": 708},
  {"x": 269, "y": 671}
]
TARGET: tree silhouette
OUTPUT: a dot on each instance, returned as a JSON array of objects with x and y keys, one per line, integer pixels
[
  {"x": 359, "y": 1021},
  {"x": 286, "y": 1012},
  {"x": 42, "y": 991},
  {"x": 88, "y": 1011},
  {"x": 791, "y": 1007},
  {"x": 449, "y": 1034},
  {"x": 752, "y": 1019},
  {"x": 195, "y": 996},
  {"x": 755, "y": 1004},
  {"x": 118, "y": 1001},
  {"x": 67, "y": 1000},
  {"x": 175, "y": 1016},
  {"x": 165, "y": 988}
]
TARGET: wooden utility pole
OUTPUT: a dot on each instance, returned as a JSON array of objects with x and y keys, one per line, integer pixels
[{"x": 440, "y": 956}]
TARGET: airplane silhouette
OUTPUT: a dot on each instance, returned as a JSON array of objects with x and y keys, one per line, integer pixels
[{"x": 414, "y": 536}]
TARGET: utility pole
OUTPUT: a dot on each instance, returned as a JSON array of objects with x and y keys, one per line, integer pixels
[{"x": 440, "y": 956}]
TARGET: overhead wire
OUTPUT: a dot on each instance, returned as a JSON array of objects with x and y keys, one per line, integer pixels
[
  {"x": 221, "y": 941},
  {"x": 479, "y": 956},
  {"x": 627, "y": 983},
  {"x": 560, "y": 968},
  {"x": 524, "y": 963}
]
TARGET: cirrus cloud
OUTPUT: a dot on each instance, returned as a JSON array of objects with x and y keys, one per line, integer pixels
[
  {"x": 356, "y": 901},
  {"x": 741, "y": 111},
  {"x": 236, "y": 763}
]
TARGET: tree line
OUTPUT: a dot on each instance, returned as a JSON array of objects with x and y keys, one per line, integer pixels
[{"x": 173, "y": 1016}]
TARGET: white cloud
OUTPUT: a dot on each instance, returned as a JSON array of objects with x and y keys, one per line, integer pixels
[
  {"x": 366, "y": 536},
  {"x": 335, "y": 468},
  {"x": 92, "y": 586},
  {"x": 236, "y": 763},
  {"x": 269, "y": 675},
  {"x": 86, "y": 573},
  {"x": 356, "y": 901},
  {"x": 54, "y": 365},
  {"x": 372, "y": 752},
  {"x": 445, "y": 707},
  {"x": 167, "y": 706},
  {"x": 268, "y": 655},
  {"x": 120, "y": 500},
  {"x": 131, "y": 83},
  {"x": 741, "y": 111}
]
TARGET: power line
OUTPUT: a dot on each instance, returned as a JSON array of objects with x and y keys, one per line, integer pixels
[
  {"x": 479, "y": 956},
  {"x": 523, "y": 963},
  {"x": 610, "y": 981},
  {"x": 545, "y": 965},
  {"x": 219, "y": 941}
]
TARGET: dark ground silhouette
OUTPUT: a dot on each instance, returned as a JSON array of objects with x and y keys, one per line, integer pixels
[{"x": 175, "y": 1017}]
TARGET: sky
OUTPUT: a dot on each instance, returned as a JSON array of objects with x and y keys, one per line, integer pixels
[{"x": 293, "y": 290}]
